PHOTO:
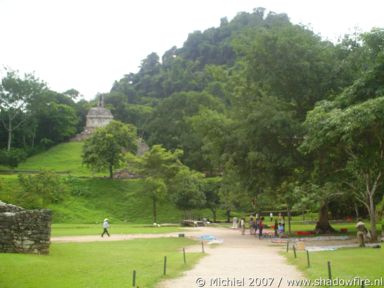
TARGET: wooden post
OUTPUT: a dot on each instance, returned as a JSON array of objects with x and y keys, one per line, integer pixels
[
  {"x": 289, "y": 222},
  {"x": 165, "y": 265},
  {"x": 294, "y": 251},
  {"x": 202, "y": 247},
  {"x": 134, "y": 278},
  {"x": 329, "y": 272},
  {"x": 308, "y": 262}
]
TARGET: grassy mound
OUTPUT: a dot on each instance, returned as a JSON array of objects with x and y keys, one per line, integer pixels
[
  {"x": 119, "y": 200},
  {"x": 65, "y": 157},
  {"x": 92, "y": 199}
]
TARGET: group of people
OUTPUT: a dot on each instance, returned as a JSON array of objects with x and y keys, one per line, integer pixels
[{"x": 257, "y": 225}]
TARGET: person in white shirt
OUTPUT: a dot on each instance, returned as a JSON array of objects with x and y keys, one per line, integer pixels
[{"x": 105, "y": 228}]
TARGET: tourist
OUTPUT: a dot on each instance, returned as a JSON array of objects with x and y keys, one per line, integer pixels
[
  {"x": 281, "y": 221},
  {"x": 234, "y": 223},
  {"x": 275, "y": 227},
  {"x": 271, "y": 216},
  {"x": 257, "y": 224},
  {"x": 242, "y": 226},
  {"x": 361, "y": 232},
  {"x": 280, "y": 229},
  {"x": 251, "y": 225},
  {"x": 261, "y": 226},
  {"x": 105, "y": 228}
]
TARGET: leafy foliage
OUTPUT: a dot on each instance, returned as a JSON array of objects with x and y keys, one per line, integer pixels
[
  {"x": 186, "y": 190},
  {"x": 12, "y": 158},
  {"x": 106, "y": 147},
  {"x": 40, "y": 190}
]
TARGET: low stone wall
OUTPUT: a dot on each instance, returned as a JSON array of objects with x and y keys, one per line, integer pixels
[{"x": 24, "y": 231}]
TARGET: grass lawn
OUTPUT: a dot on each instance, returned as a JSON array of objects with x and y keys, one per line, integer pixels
[
  {"x": 96, "y": 229},
  {"x": 98, "y": 264},
  {"x": 364, "y": 263},
  {"x": 62, "y": 157}
]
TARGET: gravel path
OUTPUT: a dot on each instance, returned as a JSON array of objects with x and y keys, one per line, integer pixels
[
  {"x": 241, "y": 261},
  {"x": 114, "y": 237}
]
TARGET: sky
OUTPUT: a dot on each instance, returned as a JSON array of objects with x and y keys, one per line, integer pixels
[{"x": 88, "y": 44}]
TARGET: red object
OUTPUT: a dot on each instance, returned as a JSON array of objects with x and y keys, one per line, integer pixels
[
  {"x": 304, "y": 233},
  {"x": 343, "y": 230}
]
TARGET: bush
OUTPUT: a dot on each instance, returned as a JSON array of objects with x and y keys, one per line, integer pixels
[
  {"x": 13, "y": 157},
  {"x": 37, "y": 191}
]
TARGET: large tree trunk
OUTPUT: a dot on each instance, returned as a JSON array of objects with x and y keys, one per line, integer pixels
[
  {"x": 33, "y": 138},
  {"x": 9, "y": 135},
  {"x": 323, "y": 226},
  {"x": 356, "y": 211},
  {"x": 370, "y": 191},
  {"x": 228, "y": 215},
  {"x": 289, "y": 222},
  {"x": 154, "y": 210},
  {"x": 213, "y": 214},
  {"x": 372, "y": 216},
  {"x": 110, "y": 171}
]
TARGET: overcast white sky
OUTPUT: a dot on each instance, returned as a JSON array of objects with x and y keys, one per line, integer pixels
[{"x": 88, "y": 44}]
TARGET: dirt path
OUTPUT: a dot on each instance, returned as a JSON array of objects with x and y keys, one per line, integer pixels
[
  {"x": 114, "y": 237},
  {"x": 241, "y": 261}
]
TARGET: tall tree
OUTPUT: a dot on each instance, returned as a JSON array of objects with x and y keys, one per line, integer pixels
[
  {"x": 170, "y": 127},
  {"x": 351, "y": 126},
  {"x": 106, "y": 147},
  {"x": 356, "y": 132},
  {"x": 158, "y": 166},
  {"x": 186, "y": 190},
  {"x": 15, "y": 93}
]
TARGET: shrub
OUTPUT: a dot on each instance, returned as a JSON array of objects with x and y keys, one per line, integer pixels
[{"x": 37, "y": 191}]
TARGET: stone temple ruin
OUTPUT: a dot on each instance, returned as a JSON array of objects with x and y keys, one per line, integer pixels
[
  {"x": 97, "y": 117},
  {"x": 24, "y": 231}
]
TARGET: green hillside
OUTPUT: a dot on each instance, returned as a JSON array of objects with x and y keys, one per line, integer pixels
[
  {"x": 63, "y": 157},
  {"x": 90, "y": 199},
  {"x": 119, "y": 200},
  {"x": 93, "y": 199}
]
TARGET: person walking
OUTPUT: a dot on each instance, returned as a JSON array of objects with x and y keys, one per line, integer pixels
[
  {"x": 242, "y": 226},
  {"x": 252, "y": 225},
  {"x": 361, "y": 232},
  {"x": 105, "y": 228},
  {"x": 261, "y": 226}
]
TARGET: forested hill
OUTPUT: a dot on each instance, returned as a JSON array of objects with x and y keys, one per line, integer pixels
[
  {"x": 185, "y": 68},
  {"x": 284, "y": 117},
  {"x": 253, "y": 54}
]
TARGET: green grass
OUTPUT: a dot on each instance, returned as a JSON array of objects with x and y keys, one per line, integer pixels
[
  {"x": 62, "y": 157},
  {"x": 97, "y": 264},
  {"x": 365, "y": 263},
  {"x": 95, "y": 229},
  {"x": 93, "y": 199},
  {"x": 117, "y": 200}
]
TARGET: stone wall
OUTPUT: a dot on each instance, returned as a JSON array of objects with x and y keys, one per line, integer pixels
[{"x": 24, "y": 231}]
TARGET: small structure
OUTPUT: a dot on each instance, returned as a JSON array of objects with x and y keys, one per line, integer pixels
[
  {"x": 24, "y": 231},
  {"x": 98, "y": 116}
]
